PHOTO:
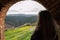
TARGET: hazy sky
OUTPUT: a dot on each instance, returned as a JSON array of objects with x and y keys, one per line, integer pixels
[{"x": 25, "y": 7}]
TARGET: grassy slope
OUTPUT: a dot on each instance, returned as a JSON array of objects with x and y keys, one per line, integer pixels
[{"x": 23, "y": 33}]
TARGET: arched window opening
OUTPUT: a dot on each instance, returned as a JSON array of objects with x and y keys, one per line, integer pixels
[{"x": 21, "y": 20}]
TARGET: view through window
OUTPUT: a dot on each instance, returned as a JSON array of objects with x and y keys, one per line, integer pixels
[{"x": 21, "y": 20}]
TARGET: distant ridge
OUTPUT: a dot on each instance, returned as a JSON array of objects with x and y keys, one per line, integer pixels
[{"x": 20, "y": 19}]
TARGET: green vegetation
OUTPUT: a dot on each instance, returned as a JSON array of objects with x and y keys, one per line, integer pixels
[
  {"x": 19, "y": 33},
  {"x": 20, "y": 19}
]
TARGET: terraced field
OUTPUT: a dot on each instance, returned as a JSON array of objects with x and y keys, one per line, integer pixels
[{"x": 23, "y": 33}]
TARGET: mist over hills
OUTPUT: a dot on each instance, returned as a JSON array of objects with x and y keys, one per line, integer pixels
[{"x": 20, "y": 19}]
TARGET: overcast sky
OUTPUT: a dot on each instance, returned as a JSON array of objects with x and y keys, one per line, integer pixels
[{"x": 25, "y": 7}]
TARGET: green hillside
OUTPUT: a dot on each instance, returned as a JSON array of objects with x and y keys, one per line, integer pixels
[
  {"x": 20, "y": 19},
  {"x": 23, "y": 33}
]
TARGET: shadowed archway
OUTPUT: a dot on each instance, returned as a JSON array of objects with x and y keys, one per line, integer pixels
[{"x": 51, "y": 5}]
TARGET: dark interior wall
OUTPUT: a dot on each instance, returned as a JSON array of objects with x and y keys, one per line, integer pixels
[
  {"x": 53, "y": 6},
  {"x": 4, "y": 2}
]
